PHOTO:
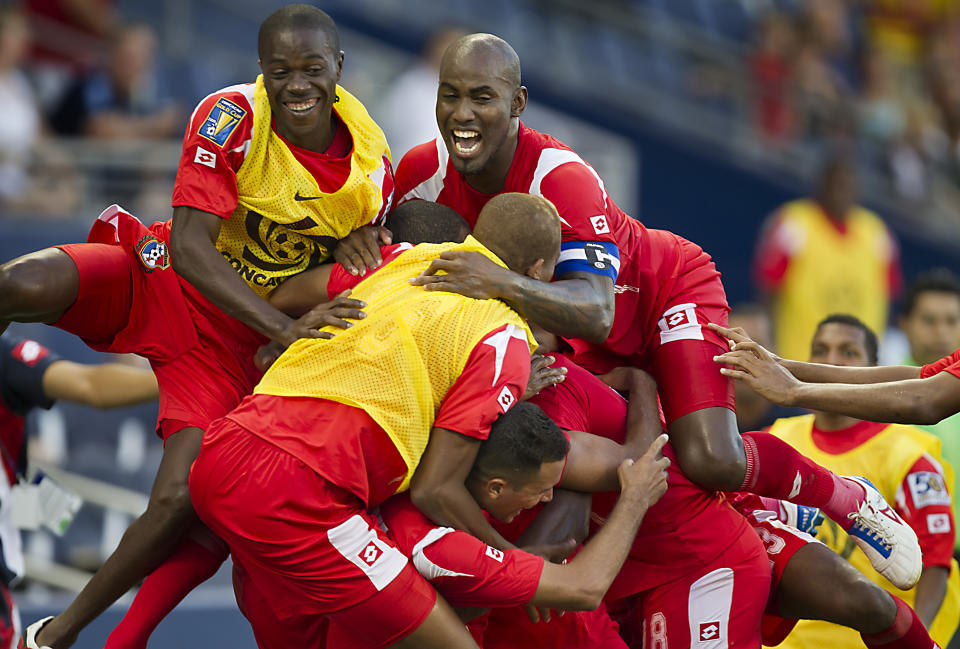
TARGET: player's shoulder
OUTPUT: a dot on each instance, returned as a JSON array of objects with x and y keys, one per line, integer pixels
[
  {"x": 420, "y": 172},
  {"x": 223, "y": 113}
]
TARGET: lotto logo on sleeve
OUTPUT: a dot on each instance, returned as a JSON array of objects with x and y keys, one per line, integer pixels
[
  {"x": 680, "y": 323},
  {"x": 506, "y": 399},
  {"x": 221, "y": 122},
  {"x": 206, "y": 158},
  {"x": 599, "y": 224},
  {"x": 928, "y": 488},
  {"x": 938, "y": 523},
  {"x": 495, "y": 554},
  {"x": 30, "y": 352}
]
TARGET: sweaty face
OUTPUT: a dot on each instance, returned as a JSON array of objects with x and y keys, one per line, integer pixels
[
  {"x": 300, "y": 74},
  {"x": 473, "y": 112},
  {"x": 839, "y": 344},
  {"x": 529, "y": 491},
  {"x": 933, "y": 326}
]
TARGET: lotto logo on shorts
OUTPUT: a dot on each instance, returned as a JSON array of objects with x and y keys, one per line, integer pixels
[
  {"x": 370, "y": 554},
  {"x": 680, "y": 323},
  {"x": 709, "y": 631},
  {"x": 221, "y": 122},
  {"x": 153, "y": 254}
]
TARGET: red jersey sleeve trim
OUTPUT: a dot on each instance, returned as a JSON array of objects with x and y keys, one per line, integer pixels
[{"x": 926, "y": 505}]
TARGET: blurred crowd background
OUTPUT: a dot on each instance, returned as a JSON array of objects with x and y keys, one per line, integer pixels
[{"x": 771, "y": 132}]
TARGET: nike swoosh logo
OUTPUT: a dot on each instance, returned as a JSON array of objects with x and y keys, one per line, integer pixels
[{"x": 298, "y": 197}]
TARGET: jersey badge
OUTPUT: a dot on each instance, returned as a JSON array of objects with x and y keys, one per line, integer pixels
[
  {"x": 599, "y": 223},
  {"x": 928, "y": 488},
  {"x": 506, "y": 399},
  {"x": 221, "y": 122},
  {"x": 938, "y": 523},
  {"x": 370, "y": 553},
  {"x": 30, "y": 352},
  {"x": 495, "y": 554},
  {"x": 680, "y": 323},
  {"x": 709, "y": 631},
  {"x": 204, "y": 157},
  {"x": 153, "y": 254}
]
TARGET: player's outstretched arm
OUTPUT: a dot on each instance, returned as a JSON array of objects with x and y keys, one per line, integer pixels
[
  {"x": 109, "y": 385},
  {"x": 438, "y": 486},
  {"x": 582, "y": 583},
  {"x": 577, "y": 305}
]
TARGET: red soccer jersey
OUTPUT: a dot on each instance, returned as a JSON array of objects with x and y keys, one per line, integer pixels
[
  {"x": 350, "y": 450},
  {"x": 649, "y": 267},
  {"x": 207, "y": 173},
  {"x": 340, "y": 280},
  {"x": 687, "y": 528},
  {"x": 949, "y": 364}
]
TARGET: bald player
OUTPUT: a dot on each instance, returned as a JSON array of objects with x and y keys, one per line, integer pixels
[{"x": 623, "y": 295}]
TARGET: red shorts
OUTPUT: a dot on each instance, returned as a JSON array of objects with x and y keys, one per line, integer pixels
[
  {"x": 308, "y": 545},
  {"x": 717, "y": 606},
  {"x": 680, "y": 353},
  {"x": 511, "y": 628},
  {"x": 131, "y": 301},
  {"x": 781, "y": 542}
]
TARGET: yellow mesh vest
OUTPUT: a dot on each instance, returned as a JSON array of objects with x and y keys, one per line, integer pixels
[
  {"x": 271, "y": 235},
  {"x": 398, "y": 363},
  {"x": 884, "y": 460},
  {"x": 831, "y": 273}
]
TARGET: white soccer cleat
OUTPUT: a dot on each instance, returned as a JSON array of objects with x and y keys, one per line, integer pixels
[
  {"x": 889, "y": 543},
  {"x": 30, "y": 635}
]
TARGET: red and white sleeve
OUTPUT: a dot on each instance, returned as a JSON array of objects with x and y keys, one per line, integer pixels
[{"x": 925, "y": 504}]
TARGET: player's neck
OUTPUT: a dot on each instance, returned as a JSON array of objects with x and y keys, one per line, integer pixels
[
  {"x": 830, "y": 422},
  {"x": 493, "y": 177},
  {"x": 317, "y": 140}
]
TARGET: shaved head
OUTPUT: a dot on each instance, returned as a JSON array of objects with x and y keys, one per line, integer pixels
[
  {"x": 520, "y": 229},
  {"x": 297, "y": 16},
  {"x": 487, "y": 53}
]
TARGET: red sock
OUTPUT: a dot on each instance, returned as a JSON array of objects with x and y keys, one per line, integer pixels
[
  {"x": 776, "y": 470},
  {"x": 907, "y": 631},
  {"x": 190, "y": 565}
]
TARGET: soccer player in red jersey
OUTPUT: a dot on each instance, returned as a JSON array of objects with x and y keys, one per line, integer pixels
[
  {"x": 240, "y": 226},
  {"x": 624, "y": 294}
]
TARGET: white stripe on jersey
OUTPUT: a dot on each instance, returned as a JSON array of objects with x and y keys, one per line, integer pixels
[
  {"x": 430, "y": 188},
  {"x": 428, "y": 569},
  {"x": 549, "y": 160},
  {"x": 571, "y": 254}
]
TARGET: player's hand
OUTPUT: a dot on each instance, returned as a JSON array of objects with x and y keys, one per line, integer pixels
[
  {"x": 541, "y": 613},
  {"x": 737, "y": 335},
  {"x": 331, "y": 314},
  {"x": 543, "y": 375},
  {"x": 360, "y": 249},
  {"x": 645, "y": 479},
  {"x": 553, "y": 552},
  {"x": 757, "y": 367},
  {"x": 267, "y": 354},
  {"x": 628, "y": 379},
  {"x": 465, "y": 272}
]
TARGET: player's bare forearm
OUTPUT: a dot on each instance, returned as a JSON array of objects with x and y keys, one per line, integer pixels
[
  {"x": 194, "y": 256},
  {"x": 578, "y": 306},
  {"x": 819, "y": 373},
  {"x": 643, "y": 411},
  {"x": 110, "y": 385},
  {"x": 917, "y": 401},
  {"x": 931, "y": 591},
  {"x": 592, "y": 463},
  {"x": 302, "y": 292}
]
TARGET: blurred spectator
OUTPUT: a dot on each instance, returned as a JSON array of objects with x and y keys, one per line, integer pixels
[
  {"x": 124, "y": 100},
  {"x": 769, "y": 65},
  {"x": 20, "y": 127},
  {"x": 823, "y": 255},
  {"x": 407, "y": 112},
  {"x": 821, "y": 89},
  {"x": 930, "y": 320},
  {"x": 881, "y": 112},
  {"x": 69, "y": 36}
]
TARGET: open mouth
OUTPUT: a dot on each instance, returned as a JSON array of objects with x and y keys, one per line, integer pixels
[
  {"x": 301, "y": 107},
  {"x": 466, "y": 142}
]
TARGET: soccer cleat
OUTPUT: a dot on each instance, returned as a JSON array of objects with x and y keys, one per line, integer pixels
[
  {"x": 889, "y": 543},
  {"x": 30, "y": 635},
  {"x": 804, "y": 518}
]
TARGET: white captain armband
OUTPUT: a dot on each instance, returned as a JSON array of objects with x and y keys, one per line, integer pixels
[{"x": 599, "y": 257}]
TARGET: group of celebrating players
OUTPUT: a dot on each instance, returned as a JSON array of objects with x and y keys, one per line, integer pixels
[{"x": 374, "y": 440}]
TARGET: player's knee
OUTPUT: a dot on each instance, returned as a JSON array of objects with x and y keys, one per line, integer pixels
[{"x": 713, "y": 466}]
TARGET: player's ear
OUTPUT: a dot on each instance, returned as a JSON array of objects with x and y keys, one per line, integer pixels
[
  {"x": 339, "y": 64},
  {"x": 495, "y": 487},
  {"x": 519, "y": 103},
  {"x": 535, "y": 271}
]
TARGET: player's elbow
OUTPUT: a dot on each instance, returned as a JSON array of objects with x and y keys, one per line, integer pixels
[
  {"x": 586, "y": 596},
  {"x": 429, "y": 498},
  {"x": 601, "y": 324}
]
